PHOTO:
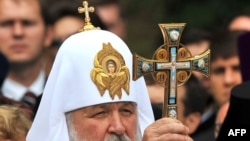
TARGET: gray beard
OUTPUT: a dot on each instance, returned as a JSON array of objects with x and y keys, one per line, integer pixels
[{"x": 117, "y": 138}]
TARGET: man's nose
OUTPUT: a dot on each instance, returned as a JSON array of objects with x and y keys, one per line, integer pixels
[
  {"x": 230, "y": 77},
  {"x": 116, "y": 124},
  {"x": 18, "y": 30}
]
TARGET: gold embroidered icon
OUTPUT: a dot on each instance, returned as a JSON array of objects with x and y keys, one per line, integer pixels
[{"x": 110, "y": 72}]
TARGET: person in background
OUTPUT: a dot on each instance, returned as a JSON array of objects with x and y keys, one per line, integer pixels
[
  {"x": 225, "y": 66},
  {"x": 224, "y": 74},
  {"x": 14, "y": 123},
  {"x": 112, "y": 15},
  {"x": 240, "y": 23},
  {"x": 238, "y": 115},
  {"x": 24, "y": 34}
]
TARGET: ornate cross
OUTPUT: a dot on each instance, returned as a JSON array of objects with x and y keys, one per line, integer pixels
[
  {"x": 171, "y": 65},
  {"x": 85, "y": 9}
]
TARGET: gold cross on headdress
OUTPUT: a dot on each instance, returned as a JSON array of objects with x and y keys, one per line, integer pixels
[
  {"x": 171, "y": 65},
  {"x": 85, "y": 9}
]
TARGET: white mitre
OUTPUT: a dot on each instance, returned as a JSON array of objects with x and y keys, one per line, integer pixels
[{"x": 78, "y": 79}]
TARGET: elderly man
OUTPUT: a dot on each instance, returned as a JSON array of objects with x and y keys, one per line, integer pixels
[{"x": 82, "y": 101}]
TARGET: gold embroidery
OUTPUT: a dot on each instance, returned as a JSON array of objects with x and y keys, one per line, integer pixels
[{"x": 110, "y": 73}]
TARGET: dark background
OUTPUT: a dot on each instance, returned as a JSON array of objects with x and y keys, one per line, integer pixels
[
  {"x": 144, "y": 16},
  {"x": 144, "y": 35}
]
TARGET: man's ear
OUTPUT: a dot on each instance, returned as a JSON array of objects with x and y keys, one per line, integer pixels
[
  {"x": 48, "y": 36},
  {"x": 192, "y": 121}
]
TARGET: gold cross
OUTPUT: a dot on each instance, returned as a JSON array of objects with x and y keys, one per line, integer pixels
[
  {"x": 85, "y": 9},
  {"x": 171, "y": 65}
]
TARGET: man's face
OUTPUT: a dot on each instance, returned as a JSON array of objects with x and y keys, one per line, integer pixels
[
  {"x": 225, "y": 74},
  {"x": 103, "y": 122},
  {"x": 22, "y": 30},
  {"x": 66, "y": 26},
  {"x": 110, "y": 16},
  {"x": 111, "y": 68}
]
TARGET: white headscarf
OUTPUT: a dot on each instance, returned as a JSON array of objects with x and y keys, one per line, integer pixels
[{"x": 70, "y": 87}]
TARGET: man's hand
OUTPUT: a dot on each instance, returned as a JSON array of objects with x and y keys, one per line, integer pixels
[{"x": 166, "y": 129}]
